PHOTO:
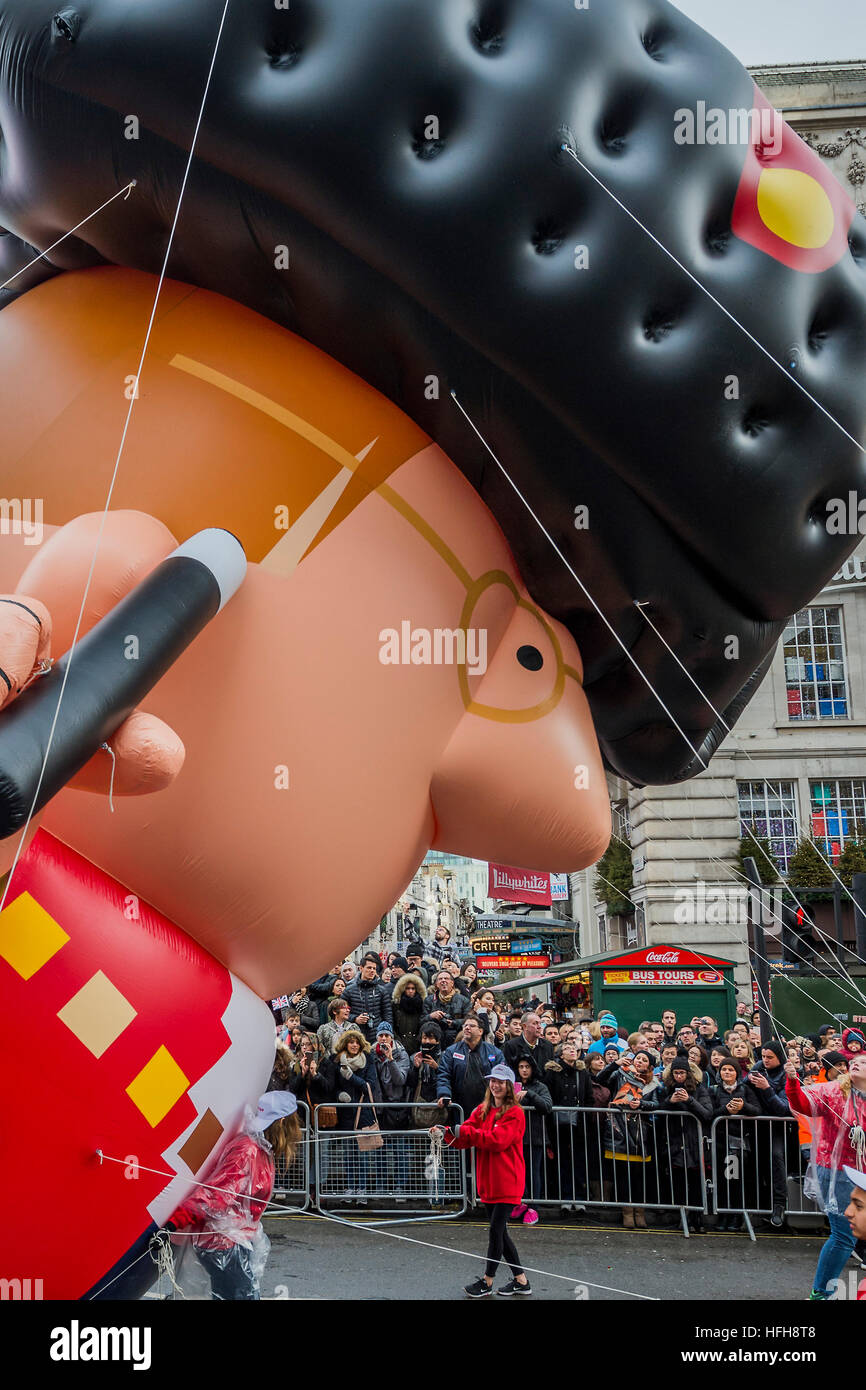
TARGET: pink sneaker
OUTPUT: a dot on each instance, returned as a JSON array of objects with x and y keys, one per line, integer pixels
[
  {"x": 517, "y": 1212},
  {"x": 531, "y": 1217}
]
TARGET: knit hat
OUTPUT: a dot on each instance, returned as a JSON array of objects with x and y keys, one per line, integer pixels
[
  {"x": 384, "y": 1027},
  {"x": 774, "y": 1045},
  {"x": 607, "y": 1021},
  {"x": 681, "y": 1063}
]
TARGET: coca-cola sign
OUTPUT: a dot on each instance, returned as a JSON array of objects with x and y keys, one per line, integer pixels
[{"x": 666, "y": 958}]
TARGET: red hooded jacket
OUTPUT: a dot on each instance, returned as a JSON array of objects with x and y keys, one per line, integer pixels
[
  {"x": 498, "y": 1137},
  {"x": 227, "y": 1210}
]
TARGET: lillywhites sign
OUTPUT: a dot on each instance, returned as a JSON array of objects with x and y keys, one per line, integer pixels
[{"x": 517, "y": 885}]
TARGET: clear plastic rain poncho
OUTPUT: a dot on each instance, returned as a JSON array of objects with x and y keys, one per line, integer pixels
[
  {"x": 836, "y": 1111},
  {"x": 221, "y": 1219}
]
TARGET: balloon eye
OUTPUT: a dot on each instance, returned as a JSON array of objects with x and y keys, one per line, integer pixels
[{"x": 530, "y": 657}]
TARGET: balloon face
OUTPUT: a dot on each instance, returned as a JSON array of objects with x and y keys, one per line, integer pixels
[{"x": 382, "y": 682}]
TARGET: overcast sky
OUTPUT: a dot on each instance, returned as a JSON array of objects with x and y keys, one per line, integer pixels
[{"x": 784, "y": 31}]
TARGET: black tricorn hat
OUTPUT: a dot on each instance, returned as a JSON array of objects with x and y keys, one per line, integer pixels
[{"x": 421, "y": 162}]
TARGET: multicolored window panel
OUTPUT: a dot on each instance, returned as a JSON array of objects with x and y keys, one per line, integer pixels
[
  {"x": 814, "y": 653},
  {"x": 769, "y": 811},
  {"x": 838, "y": 813}
]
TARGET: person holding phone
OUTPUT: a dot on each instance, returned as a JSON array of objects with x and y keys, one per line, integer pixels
[{"x": 495, "y": 1130}]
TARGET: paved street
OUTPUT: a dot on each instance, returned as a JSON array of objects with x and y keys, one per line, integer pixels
[{"x": 312, "y": 1258}]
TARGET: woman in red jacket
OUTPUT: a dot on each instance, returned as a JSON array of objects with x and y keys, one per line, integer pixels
[{"x": 495, "y": 1128}]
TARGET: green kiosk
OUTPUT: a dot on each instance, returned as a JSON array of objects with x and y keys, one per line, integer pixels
[{"x": 638, "y": 985}]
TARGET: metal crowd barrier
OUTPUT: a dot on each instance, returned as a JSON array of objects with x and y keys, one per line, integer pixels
[
  {"x": 400, "y": 1172},
  {"x": 292, "y": 1181},
  {"x": 756, "y": 1165},
  {"x": 589, "y": 1158},
  {"x": 617, "y": 1157}
]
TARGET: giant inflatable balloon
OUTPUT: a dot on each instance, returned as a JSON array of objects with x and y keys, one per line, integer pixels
[{"x": 409, "y": 335}]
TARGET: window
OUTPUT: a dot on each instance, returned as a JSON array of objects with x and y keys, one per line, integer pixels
[
  {"x": 769, "y": 810},
  {"x": 815, "y": 665},
  {"x": 602, "y": 932},
  {"x": 838, "y": 811},
  {"x": 621, "y": 823}
]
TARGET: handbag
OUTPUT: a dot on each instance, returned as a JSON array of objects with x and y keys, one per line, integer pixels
[
  {"x": 368, "y": 1137},
  {"x": 326, "y": 1116},
  {"x": 424, "y": 1116}
]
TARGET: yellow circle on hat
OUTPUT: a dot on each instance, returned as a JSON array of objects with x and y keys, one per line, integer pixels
[{"x": 795, "y": 207}]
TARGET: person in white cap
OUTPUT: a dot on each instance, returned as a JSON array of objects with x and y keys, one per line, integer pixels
[
  {"x": 223, "y": 1215},
  {"x": 495, "y": 1128}
]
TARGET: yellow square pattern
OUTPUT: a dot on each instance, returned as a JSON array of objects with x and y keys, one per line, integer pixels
[
  {"x": 97, "y": 1014},
  {"x": 159, "y": 1084},
  {"x": 29, "y": 937}
]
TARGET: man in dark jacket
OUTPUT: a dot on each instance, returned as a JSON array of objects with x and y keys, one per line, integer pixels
[
  {"x": 447, "y": 1006},
  {"x": 528, "y": 1043},
  {"x": 369, "y": 1000},
  {"x": 708, "y": 1034},
  {"x": 464, "y": 1068},
  {"x": 768, "y": 1079}
]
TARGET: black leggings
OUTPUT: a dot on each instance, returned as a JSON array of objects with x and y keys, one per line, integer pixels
[{"x": 499, "y": 1244}]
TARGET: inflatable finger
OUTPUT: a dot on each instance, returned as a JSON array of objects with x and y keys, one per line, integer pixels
[
  {"x": 145, "y": 756},
  {"x": 25, "y": 643}
]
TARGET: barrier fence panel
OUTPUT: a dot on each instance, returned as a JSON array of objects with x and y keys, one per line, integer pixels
[
  {"x": 395, "y": 1165},
  {"x": 615, "y": 1157},
  {"x": 599, "y": 1157},
  {"x": 292, "y": 1180},
  {"x": 757, "y": 1164}
]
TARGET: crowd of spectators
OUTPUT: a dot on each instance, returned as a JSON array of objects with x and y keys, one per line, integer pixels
[{"x": 610, "y": 1115}]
